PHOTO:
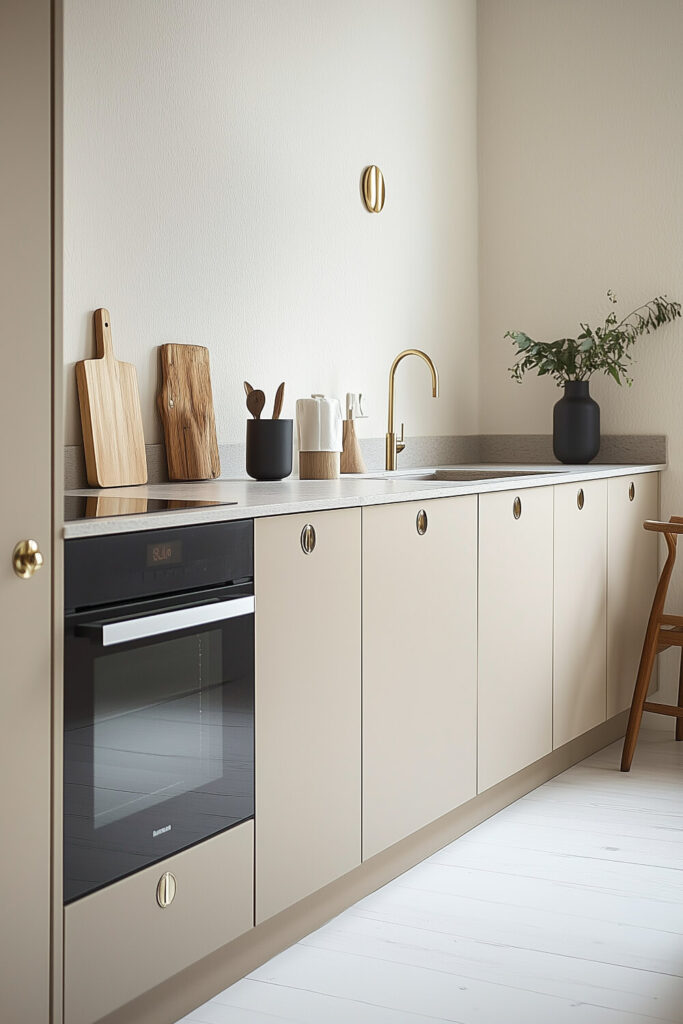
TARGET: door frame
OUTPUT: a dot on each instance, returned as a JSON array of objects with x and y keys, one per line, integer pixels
[{"x": 57, "y": 909}]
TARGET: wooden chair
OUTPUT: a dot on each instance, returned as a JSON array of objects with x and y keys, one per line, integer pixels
[{"x": 663, "y": 631}]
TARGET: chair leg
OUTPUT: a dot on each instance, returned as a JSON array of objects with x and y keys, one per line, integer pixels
[
  {"x": 679, "y": 721},
  {"x": 647, "y": 658},
  {"x": 647, "y": 662}
]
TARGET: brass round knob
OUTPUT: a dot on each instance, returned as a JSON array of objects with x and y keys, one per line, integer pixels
[
  {"x": 580, "y": 498},
  {"x": 26, "y": 559},
  {"x": 517, "y": 507},
  {"x": 632, "y": 491},
  {"x": 308, "y": 539},
  {"x": 421, "y": 522},
  {"x": 166, "y": 889}
]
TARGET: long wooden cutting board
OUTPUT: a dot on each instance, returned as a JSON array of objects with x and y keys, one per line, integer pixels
[
  {"x": 108, "y": 395},
  {"x": 186, "y": 408}
]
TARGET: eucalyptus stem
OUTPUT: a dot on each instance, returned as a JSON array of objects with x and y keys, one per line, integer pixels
[{"x": 605, "y": 349}]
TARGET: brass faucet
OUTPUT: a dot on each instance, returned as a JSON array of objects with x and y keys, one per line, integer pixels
[{"x": 394, "y": 445}]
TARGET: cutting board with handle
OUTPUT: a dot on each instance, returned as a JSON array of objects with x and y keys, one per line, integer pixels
[
  {"x": 185, "y": 405},
  {"x": 108, "y": 395}
]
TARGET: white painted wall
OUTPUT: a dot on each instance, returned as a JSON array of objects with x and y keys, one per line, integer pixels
[
  {"x": 213, "y": 155},
  {"x": 581, "y": 189}
]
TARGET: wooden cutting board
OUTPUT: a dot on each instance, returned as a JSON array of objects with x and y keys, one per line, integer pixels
[
  {"x": 110, "y": 414},
  {"x": 186, "y": 408}
]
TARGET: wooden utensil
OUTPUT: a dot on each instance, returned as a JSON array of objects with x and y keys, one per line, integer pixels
[
  {"x": 247, "y": 388},
  {"x": 185, "y": 405},
  {"x": 255, "y": 402},
  {"x": 279, "y": 396},
  {"x": 109, "y": 401}
]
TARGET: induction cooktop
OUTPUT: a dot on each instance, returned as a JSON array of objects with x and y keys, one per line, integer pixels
[{"x": 99, "y": 506}]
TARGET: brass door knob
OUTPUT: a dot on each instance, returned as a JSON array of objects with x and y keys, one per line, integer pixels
[
  {"x": 517, "y": 507},
  {"x": 632, "y": 491},
  {"x": 421, "y": 522},
  {"x": 26, "y": 559},
  {"x": 580, "y": 499}
]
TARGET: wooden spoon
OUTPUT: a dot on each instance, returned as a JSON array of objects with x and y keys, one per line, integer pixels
[
  {"x": 255, "y": 402},
  {"x": 279, "y": 396},
  {"x": 247, "y": 388}
]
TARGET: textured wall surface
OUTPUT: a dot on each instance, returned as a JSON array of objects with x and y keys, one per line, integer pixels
[
  {"x": 581, "y": 151},
  {"x": 213, "y": 156}
]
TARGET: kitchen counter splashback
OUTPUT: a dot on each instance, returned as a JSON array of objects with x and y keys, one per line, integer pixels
[
  {"x": 617, "y": 449},
  {"x": 254, "y": 500}
]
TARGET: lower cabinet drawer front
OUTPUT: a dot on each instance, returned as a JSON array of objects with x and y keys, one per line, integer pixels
[{"x": 119, "y": 942}]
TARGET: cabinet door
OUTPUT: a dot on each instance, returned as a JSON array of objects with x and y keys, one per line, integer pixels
[
  {"x": 419, "y": 665},
  {"x": 26, "y": 470},
  {"x": 515, "y": 631},
  {"x": 119, "y": 942},
  {"x": 308, "y": 701},
  {"x": 580, "y": 609},
  {"x": 632, "y": 578}
]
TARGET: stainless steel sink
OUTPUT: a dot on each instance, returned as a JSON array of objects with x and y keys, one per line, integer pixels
[
  {"x": 404, "y": 476},
  {"x": 463, "y": 475},
  {"x": 484, "y": 474}
]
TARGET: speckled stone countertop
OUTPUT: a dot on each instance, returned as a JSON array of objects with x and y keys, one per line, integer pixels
[{"x": 293, "y": 495}]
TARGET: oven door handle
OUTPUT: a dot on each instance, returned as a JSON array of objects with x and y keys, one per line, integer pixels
[{"x": 125, "y": 630}]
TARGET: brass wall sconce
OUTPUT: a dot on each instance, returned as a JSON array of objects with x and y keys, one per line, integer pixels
[{"x": 373, "y": 189}]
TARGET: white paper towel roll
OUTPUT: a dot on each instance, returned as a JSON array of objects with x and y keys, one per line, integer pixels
[{"x": 319, "y": 424}]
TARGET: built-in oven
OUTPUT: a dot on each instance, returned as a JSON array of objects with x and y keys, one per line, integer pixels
[{"x": 158, "y": 696}]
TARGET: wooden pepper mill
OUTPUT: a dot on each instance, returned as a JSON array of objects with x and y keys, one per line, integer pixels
[{"x": 351, "y": 456}]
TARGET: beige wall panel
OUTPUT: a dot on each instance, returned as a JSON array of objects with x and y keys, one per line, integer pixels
[
  {"x": 632, "y": 578},
  {"x": 118, "y": 942},
  {"x": 419, "y": 666},
  {"x": 308, "y": 705},
  {"x": 580, "y": 610},
  {"x": 25, "y": 471},
  {"x": 515, "y": 632}
]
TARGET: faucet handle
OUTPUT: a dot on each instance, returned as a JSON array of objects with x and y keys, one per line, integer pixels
[{"x": 400, "y": 441}]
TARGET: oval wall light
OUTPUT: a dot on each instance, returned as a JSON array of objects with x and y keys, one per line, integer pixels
[{"x": 373, "y": 188}]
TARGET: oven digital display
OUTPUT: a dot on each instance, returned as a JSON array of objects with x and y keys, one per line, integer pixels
[{"x": 164, "y": 553}]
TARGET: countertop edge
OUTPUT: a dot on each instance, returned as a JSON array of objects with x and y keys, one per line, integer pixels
[{"x": 319, "y": 495}]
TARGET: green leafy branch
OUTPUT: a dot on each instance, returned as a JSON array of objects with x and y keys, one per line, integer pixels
[{"x": 604, "y": 349}]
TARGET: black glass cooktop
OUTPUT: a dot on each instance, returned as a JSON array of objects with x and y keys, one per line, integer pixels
[{"x": 99, "y": 506}]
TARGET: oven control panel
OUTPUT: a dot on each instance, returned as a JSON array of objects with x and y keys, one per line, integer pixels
[{"x": 122, "y": 567}]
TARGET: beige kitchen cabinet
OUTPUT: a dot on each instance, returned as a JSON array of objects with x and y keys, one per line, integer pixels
[
  {"x": 119, "y": 942},
  {"x": 419, "y": 665},
  {"x": 515, "y": 631},
  {"x": 308, "y": 703},
  {"x": 580, "y": 609},
  {"x": 632, "y": 577}
]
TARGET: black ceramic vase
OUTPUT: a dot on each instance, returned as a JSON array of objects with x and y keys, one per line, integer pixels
[{"x": 576, "y": 425}]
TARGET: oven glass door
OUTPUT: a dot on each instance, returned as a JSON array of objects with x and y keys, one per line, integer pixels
[{"x": 158, "y": 732}]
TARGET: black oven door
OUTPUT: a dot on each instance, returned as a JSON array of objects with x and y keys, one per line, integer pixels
[{"x": 158, "y": 731}]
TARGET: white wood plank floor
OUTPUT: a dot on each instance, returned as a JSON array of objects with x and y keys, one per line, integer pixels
[{"x": 565, "y": 907}]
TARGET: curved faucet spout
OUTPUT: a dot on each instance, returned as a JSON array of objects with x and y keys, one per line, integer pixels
[{"x": 393, "y": 447}]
